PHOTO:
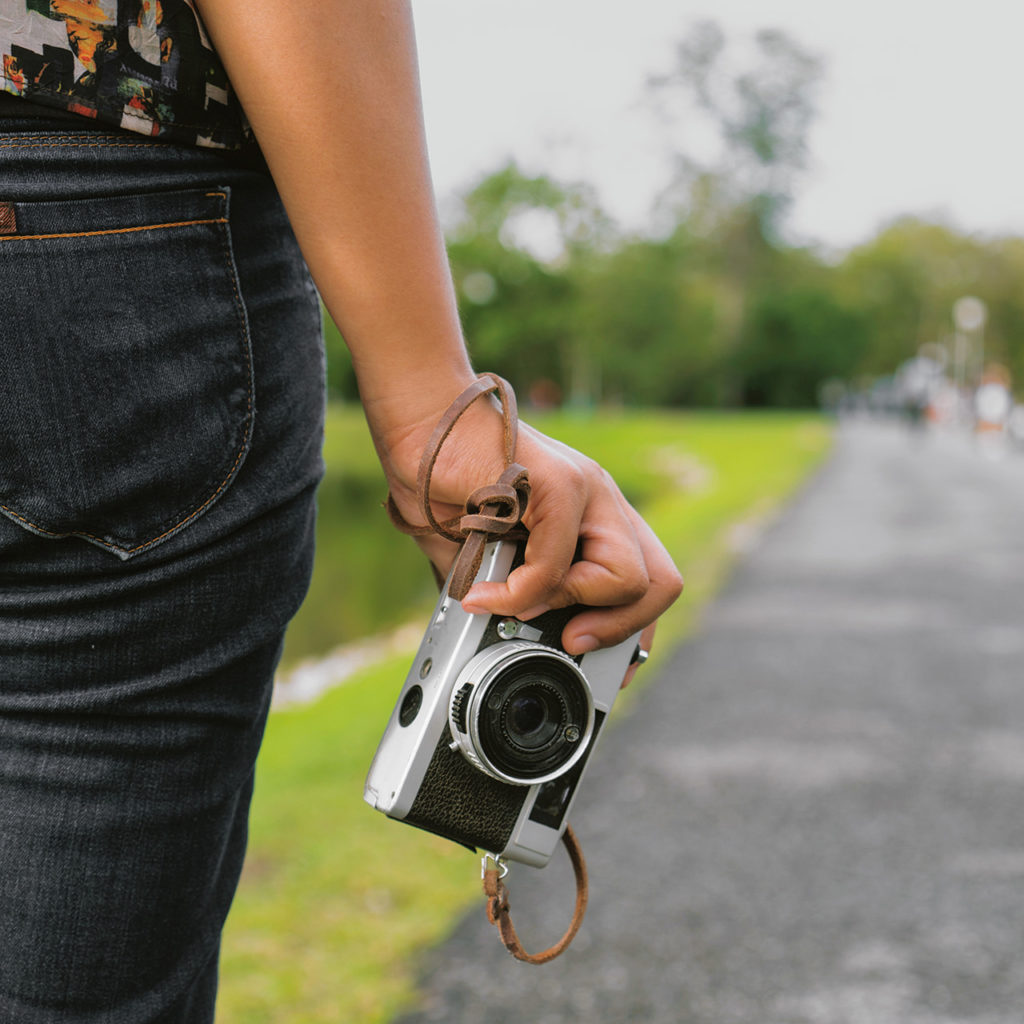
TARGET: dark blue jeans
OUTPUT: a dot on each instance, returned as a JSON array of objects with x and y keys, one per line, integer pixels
[{"x": 161, "y": 416}]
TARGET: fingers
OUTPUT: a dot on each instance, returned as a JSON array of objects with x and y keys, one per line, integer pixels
[
  {"x": 603, "y": 627},
  {"x": 624, "y": 575},
  {"x": 610, "y": 569},
  {"x": 586, "y": 546},
  {"x": 538, "y": 584}
]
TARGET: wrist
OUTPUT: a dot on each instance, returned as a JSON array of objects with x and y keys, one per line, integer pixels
[
  {"x": 405, "y": 405},
  {"x": 471, "y": 452}
]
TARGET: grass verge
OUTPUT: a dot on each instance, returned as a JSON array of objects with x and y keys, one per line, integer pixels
[{"x": 336, "y": 901}]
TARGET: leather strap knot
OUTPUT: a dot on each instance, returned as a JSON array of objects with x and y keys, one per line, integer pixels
[{"x": 498, "y": 508}]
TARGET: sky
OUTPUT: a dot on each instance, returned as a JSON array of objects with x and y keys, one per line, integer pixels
[{"x": 921, "y": 109}]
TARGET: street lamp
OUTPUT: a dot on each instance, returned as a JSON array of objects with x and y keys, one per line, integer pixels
[{"x": 969, "y": 316}]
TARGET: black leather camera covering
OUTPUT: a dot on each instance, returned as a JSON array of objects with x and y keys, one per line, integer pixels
[{"x": 463, "y": 804}]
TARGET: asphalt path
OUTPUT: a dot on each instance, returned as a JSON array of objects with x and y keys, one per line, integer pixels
[{"x": 815, "y": 815}]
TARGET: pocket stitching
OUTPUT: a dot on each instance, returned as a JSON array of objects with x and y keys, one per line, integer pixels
[
  {"x": 247, "y": 421},
  {"x": 113, "y": 231},
  {"x": 153, "y": 540}
]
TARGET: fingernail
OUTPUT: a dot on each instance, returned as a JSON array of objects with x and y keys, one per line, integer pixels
[{"x": 585, "y": 644}]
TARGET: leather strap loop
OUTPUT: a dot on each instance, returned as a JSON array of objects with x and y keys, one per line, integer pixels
[
  {"x": 498, "y": 906},
  {"x": 494, "y": 510},
  {"x": 399, "y": 522},
  {"x": 485, "y": 384}
]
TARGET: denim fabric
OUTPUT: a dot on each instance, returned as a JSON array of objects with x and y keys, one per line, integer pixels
[{"x": 161, "y": 416}]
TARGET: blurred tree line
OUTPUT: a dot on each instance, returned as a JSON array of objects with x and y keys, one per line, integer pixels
[{"x": 711, "y": 306}]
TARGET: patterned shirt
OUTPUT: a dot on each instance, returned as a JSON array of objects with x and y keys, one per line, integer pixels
[{"x": 144, "y": 65}]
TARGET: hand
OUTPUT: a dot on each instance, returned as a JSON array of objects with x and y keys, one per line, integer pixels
[{"x": 624, "y": 574}]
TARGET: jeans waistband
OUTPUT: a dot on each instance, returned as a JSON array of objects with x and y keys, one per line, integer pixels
[
  {"x": 15, "y": 106},
  {"x": 20, "y": 117}
]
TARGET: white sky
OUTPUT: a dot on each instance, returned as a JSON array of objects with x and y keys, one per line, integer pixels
[{"x": 920, "y": 112}]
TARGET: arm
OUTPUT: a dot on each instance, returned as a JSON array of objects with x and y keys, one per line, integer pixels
[{"x": 333, "y": 97}]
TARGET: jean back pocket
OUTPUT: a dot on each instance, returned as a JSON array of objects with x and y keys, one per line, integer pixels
[{"x": 126, "y": 381}]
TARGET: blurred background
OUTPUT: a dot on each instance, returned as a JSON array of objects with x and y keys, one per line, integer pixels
[
  {"x": 695, "y": 237},
  {"x": 727, "y": 211}
]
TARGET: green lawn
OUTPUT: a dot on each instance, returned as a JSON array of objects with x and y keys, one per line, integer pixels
[{"x": 337, "y": 901}]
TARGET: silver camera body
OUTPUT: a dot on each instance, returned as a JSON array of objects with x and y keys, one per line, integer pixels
[{"x": 494, "y": 726}]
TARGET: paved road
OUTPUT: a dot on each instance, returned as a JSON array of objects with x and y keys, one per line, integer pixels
[{"x": 816, "y": 814}]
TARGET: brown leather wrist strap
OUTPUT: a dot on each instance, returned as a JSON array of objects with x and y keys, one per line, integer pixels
[
  {"x": 494, "y": 510},
  {"x": 498, "y": 906}
]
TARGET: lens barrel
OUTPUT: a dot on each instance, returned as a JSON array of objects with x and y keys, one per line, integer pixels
[{"x": 522, "y": 712}]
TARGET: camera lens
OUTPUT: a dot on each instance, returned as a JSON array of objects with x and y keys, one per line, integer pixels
[
  {"x": 526, "y": 715},
  {"x": 532, "y": 719},
  {"x": 535, "y": 714}
]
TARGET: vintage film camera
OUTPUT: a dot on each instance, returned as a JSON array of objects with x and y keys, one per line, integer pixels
[{"x": 494, "y": 726}]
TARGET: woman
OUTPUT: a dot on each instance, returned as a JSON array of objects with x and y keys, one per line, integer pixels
[{"x": 163, "y": 400}]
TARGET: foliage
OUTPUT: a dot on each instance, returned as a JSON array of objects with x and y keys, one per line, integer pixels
[
  {"x": 793, "y": 342},
  {"x": 716, "y": 313},
  {"x": 908, "y": 277},
  {"x": 337, "y": 904},
  {"x": 517, "y": 251},
  {"x": 341, "y": 378}
]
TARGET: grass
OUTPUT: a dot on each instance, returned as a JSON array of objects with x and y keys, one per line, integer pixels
[{"x": 337, "y": 902}]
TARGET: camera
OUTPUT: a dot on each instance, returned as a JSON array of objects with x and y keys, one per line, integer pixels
[{"x": 494, "y": 725}]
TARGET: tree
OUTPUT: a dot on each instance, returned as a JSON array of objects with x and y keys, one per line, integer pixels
[
  {"x": 757, "y": 119},
  {"x": 516, "y": 253},
  {"x": 656, "y": 311},
  {"x": 755, "y": 107},
  {"x": 908, "y": 277},
  {"x": 796, "y": 340}
]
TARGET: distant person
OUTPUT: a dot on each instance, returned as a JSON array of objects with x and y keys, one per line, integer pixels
[
  {"x": 993, "y": 401},
  {"x": 162, "y": 394}
]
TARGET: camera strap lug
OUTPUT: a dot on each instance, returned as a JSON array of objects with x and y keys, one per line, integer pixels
[
  {"x": 501, "y": 866},
  {"x": 498, "y": 904}
]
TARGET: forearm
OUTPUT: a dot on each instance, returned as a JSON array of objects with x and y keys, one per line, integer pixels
[
  {"x": 341, "y": 129},
  {"x": 342, "y": 133}
]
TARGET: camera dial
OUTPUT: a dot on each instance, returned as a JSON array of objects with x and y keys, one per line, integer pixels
[{"x": 522, "y": 712}]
